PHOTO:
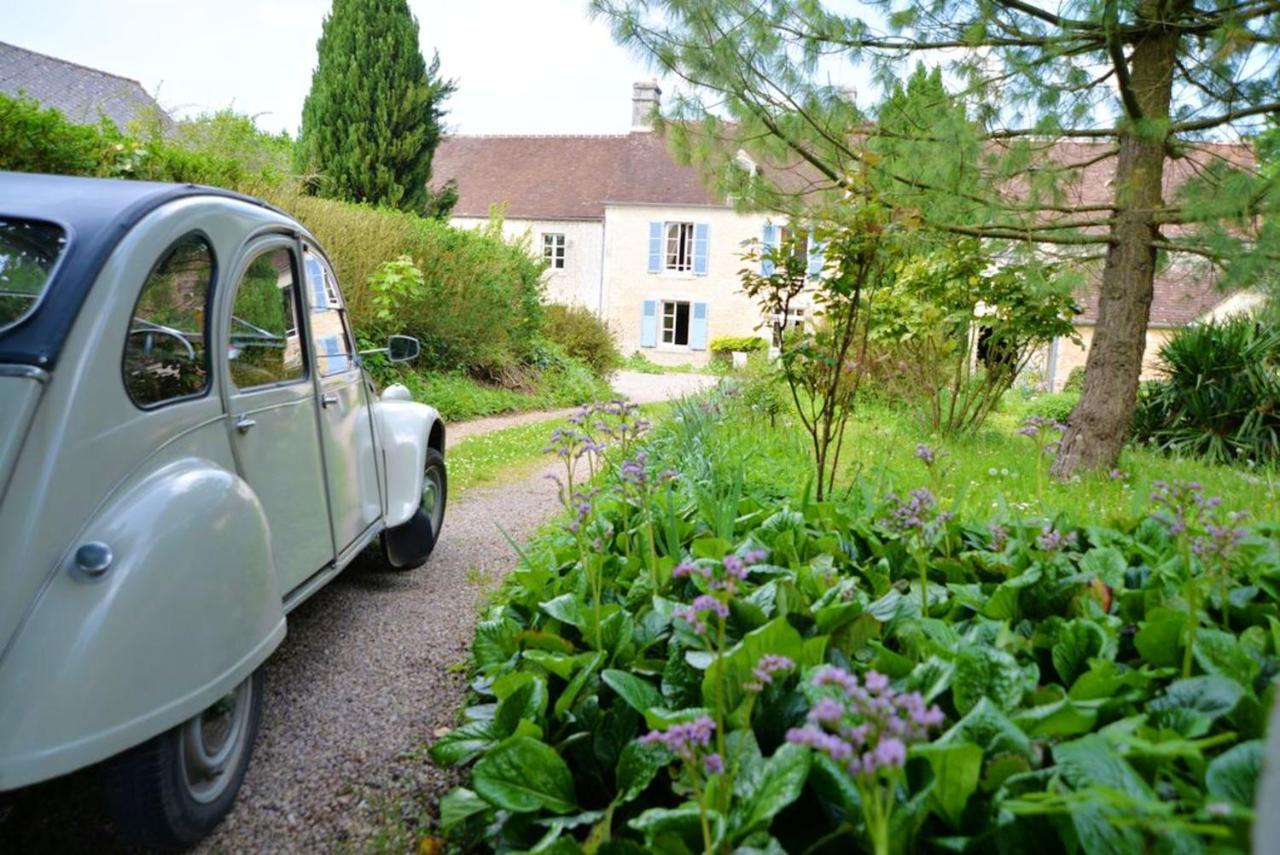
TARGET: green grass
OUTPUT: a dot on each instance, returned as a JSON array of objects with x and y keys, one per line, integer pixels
[
  {"x": 643, "y": 364},
  {"x": 459, "y": 397},
  {"x": 988, "y": 473},
  {"x": 508, "y": 453}
]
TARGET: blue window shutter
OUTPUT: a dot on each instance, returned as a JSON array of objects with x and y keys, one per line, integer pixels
[
  {"x": 655, "y": 247},
  {"x": 701, "y": 234},
  {"x": 649, "y": 324},
  {"x": 315, "y": 281},
  {"x": 769, "y": 241},
  {"x": 816, "y": 260},
  {"x": 698, "y": 327}
]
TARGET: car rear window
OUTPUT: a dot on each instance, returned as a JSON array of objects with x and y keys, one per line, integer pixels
[{"x": 28, "y": 252}]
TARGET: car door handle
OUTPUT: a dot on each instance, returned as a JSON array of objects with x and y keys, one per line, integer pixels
[
  {"x": 244, "y": 423},
  {"x": 328, "y": 400}
]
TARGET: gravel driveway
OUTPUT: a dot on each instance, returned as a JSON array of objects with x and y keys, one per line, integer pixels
[{"x": 371, "y": 667}]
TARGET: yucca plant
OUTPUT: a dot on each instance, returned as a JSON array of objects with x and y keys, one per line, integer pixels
[{"x": 1219, "y": 398}]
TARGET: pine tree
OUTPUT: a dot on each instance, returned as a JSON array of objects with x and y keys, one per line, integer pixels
[{"x": 372, "y": 120}]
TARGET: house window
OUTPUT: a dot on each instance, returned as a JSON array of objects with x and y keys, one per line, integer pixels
[
  {"x": 796, "y": 240},
  {"x": 553, "y": 250},
  {"x": 675, "y": 323},
  {"x": 680, "y": 248}
]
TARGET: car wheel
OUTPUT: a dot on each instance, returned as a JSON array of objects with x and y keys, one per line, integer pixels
[
  {"x": 171, "y": 791},
  {"x": 407, "y": 546}
]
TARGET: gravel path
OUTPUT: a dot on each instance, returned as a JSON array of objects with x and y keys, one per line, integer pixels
[{"x": 371, "y": 667}]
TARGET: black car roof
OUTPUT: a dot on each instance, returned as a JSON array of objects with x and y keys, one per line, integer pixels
[{"x": 95, "y": 213}]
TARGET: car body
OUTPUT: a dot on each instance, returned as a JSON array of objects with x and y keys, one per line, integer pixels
[{"x": 189, "y": 448}]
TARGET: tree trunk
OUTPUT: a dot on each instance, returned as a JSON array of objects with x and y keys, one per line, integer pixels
[{"x": 1099, "y": 424}]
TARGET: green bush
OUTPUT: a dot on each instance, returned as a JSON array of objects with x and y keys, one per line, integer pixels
[
  {"x": 741, "y": 344},
  {"x": 1051, "y": 405},
  {"x": 479, "y": 309},
  {"x": 583, "y": 335},
  {"x": 1219, "y": 398},
  {"x": 1075, "y": 380}
]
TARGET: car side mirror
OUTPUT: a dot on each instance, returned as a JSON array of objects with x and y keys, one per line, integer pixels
[{"x": 402, "y": 348}]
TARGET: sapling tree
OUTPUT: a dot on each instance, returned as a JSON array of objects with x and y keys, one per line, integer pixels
[
  {"x": 823, "y": 362},
  {"x": 1085, "y": 130}
]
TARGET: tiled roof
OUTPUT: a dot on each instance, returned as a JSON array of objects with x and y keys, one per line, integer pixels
[
  {"x": 564, "y": 177},
  {"x": 79, "y": 93}
]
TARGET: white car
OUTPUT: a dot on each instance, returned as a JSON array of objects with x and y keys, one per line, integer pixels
[{"x": 189, "y": 448}]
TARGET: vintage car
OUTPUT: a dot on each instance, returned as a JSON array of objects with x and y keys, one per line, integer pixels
[{"x": 189, "y": 448}]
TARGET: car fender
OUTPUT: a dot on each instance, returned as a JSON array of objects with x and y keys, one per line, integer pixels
[
  {"x": 406, "y": 430},
  {"x": 188, "y": 607}
]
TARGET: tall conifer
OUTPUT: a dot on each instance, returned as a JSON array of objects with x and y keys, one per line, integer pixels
[{"x": 372, "y": 120}]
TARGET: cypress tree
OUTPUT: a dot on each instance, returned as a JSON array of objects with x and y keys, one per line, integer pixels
[{"x": 372, "y": 120}]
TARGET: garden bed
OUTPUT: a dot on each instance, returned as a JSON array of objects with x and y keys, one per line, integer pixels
[{"x": 698, "y": 658}]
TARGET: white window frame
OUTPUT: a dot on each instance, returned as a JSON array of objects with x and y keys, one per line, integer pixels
[
  {"x": 553, "y": 249},
  {"x": 677, "y": 246},
  {"x": 668, "y": 312}
]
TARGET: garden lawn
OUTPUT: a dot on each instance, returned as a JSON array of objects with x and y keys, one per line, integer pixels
[
  {"x": 698, "y": 658},
  {"x": 996, "y": 472}
]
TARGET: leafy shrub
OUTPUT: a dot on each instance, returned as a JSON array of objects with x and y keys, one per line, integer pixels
[
  {"x": 479, "y": 306},
  {"x": 759, "y": 389},
  {"x": 1055, "y": 406},
  {"x": 1219, "y": 398},
  {"x": 947, "y": 307},
  {"x": 741, "y": 344},
  {"x": 583, "y": 335},
  {"x": 688, "y": 665}
]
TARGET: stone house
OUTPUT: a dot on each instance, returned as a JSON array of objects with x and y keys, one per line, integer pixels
[{"x": 638, "y": 239}]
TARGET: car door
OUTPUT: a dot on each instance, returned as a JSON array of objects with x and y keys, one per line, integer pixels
[
  {"x": 346, "y": 427},
  {"x": 271, "y": 401}
]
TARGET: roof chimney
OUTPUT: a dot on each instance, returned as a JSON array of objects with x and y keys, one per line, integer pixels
[{"x": 646, "y": 98}]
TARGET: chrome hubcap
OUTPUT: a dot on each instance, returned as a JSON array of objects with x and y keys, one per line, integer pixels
[{"x": 214, "y": 742}]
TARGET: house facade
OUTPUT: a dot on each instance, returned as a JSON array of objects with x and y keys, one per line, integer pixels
[
  {"x": 626, "y": 231},
  {"x": 639, "y": 240}
]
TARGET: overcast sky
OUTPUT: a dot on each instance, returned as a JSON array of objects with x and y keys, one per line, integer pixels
[{"x": 522, "y": 66}]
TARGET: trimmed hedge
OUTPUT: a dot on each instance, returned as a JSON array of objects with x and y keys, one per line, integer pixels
[{"x": 741, "y": 344}]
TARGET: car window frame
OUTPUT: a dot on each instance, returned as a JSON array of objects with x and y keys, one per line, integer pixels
[
  {"x": 300, "y": 307},
  {"x": 54, "y": 271},
  {"x": 214, "y": 272},
  {"x": 353, "y": 350}
]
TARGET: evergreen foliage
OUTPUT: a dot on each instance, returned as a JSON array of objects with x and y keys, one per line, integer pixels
[{"x": 372, "y": 120}]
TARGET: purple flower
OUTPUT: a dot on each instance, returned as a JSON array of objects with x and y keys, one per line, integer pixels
[
  {"x": 683, "y": 739},
  {"x": 999, "y": 536},
  {"x": 926, "y": 454},
  {"x": 875, "y": 681},
  {"x": 712, "y": 764},
  {"x": 755, "y": 556},
  {"x": 890, "y": 752},
  {"x": 1052, "y": 540},
  {"x": 770, "y": 665},
  {"x": 684, "y": 569},
  {"x": 708, "y": 603},
  {"x": 1117, "y": 475},
  {"x": 735, "y": 567}
]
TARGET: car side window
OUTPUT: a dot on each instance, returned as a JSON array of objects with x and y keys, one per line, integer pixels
[
  {"x": 329, "y": 333},
  {"x": 166, "y": 357},
  {"x": 265, "y": 348}
]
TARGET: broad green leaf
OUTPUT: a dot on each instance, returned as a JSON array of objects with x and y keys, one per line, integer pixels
[
  {"x": 1107, "y": 564},
  {"x": 987, "y": 726},
  {"x": 567, "y": 608},
  {"x": 555, "y": 663},
  {"x": 677, "y": 830},
  {"x": 464, "y": 742},
  {"x": 458, "y": 804},
  {"x": 639, "y": 694},
  {"x": 637, "y": 766},
  {"x": 524, "y": 775},
  {"x": 1159, "y": 639},
  {"x": 1092, "y": 762},
  {"x": 521, "y": 695},
  {"x": 496, "y": 642},
  {"x": 570, "y": 694},
  {"x": 660, "y": 719},
  {"x": 1061, "y": 718},
  {"x": 986, "y": 672},
  {"x": 1233, "y": 775},
  {"x": 1219, "y": 652},
  {"x": 728, "y": 673},
  {"x": 956, "y": 769},
  {"x": 780, "y": 784},
  {"x": 1078, "y": 641},
  {"x": 712, "y": 548},
  {"x": 1191, "y": 706}
]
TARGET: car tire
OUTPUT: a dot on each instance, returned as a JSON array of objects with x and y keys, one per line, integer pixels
[
  {"x": 408, "y": 545},
  {"x": 173, "y": 790}
]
